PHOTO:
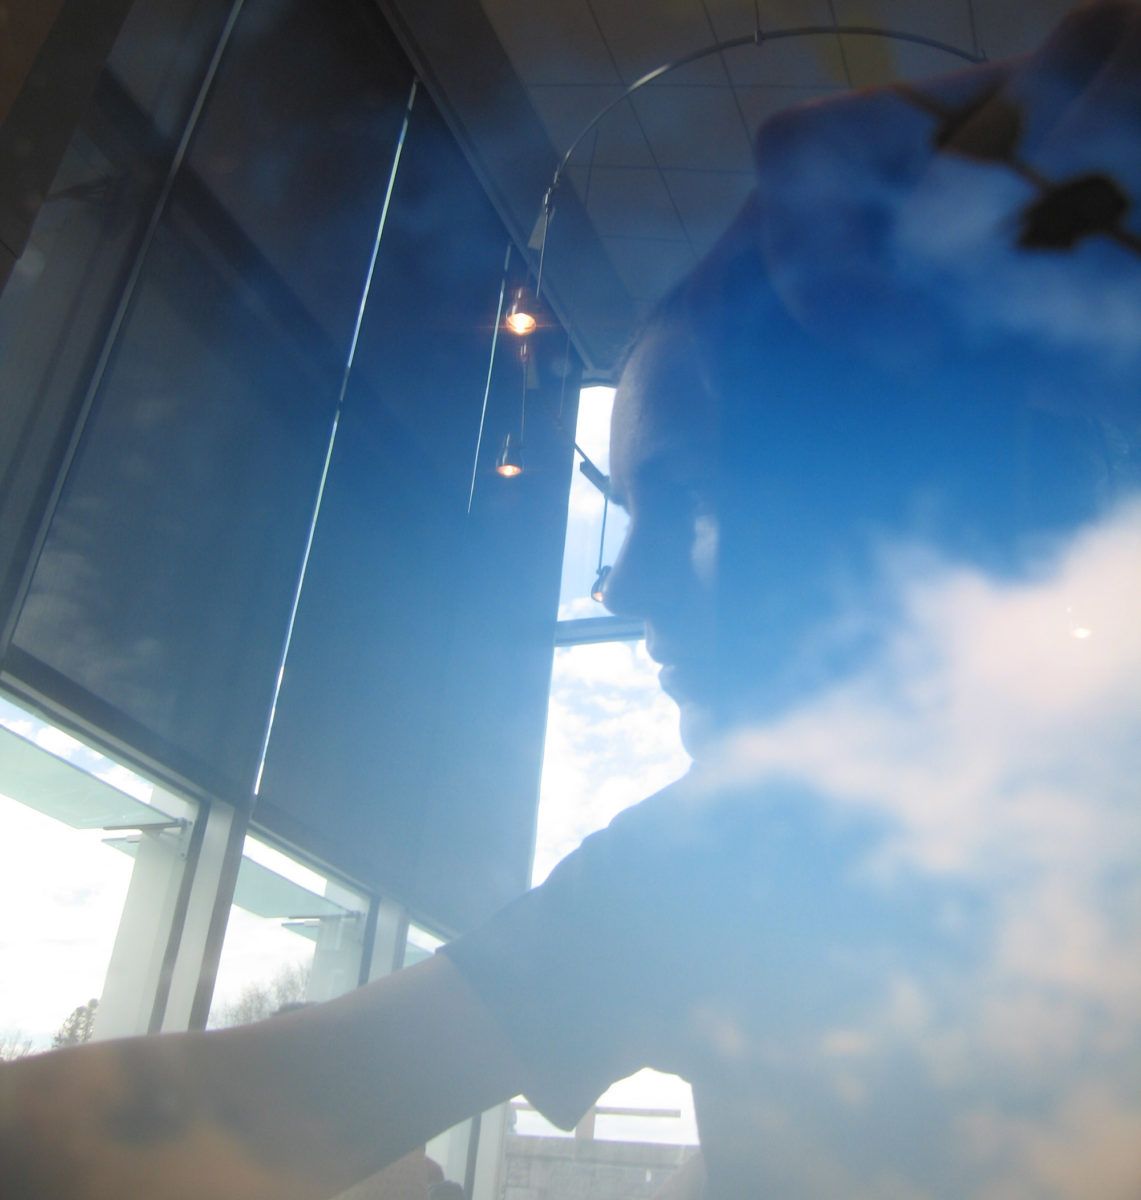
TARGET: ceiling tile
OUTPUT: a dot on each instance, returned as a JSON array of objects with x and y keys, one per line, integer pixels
[
  {"x": 672, "y": 165},
  {"x": 873, "y": 62},
  {"x": 735, "y": 18},
  {"x": 1006, "y": 29},
  {"x": 624, "y": 202},
  {"x": 552, "y": 47},
  {"x": 566, "y": 112},
  {"x": 877, "y": 60},
  {"x": 643, "y": 36},
  {"x": 708, "y": 201},
  {"x": 948, "y": 20},
  {"x": 695, "y": 128},
  {"x": 647, "y": 267},
  {"x": 805, "y": 61},
  {"x": 707, "y": 71}
]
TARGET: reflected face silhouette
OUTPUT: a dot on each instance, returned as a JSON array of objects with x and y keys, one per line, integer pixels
[
  {"x": 770, "y": 478},
  {"x": 758, "y": 508},
  {"x": 664, "y": 455}
]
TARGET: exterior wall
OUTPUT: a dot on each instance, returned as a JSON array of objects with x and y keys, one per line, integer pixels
[{"x": 553, "y": 1168}]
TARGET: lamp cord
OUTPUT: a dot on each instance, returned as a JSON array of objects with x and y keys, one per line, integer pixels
[
  {"x": 487, "y": 382},
  {"x": 602, "y": 539}
]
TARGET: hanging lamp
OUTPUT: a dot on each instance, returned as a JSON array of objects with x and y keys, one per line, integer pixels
[
  {"x": 522, "y": 313},
  {"x": 509, "y": 461}
]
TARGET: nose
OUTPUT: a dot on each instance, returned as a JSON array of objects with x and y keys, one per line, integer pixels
[
  {"x": 647, "y": 575},
  {"x": 617, "y": 595}
]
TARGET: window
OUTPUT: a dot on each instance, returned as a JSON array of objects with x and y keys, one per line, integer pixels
[
  {"x": 294, "y": 936},
  {"x": 82, "y": 839},
  {"x": 612, "y": 740}
]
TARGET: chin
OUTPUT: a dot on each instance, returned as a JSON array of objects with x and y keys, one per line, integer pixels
[{"x": 698, "y": 729}]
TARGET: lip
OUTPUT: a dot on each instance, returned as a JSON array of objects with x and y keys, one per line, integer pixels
[
  {"x": 678, "y": 682},
  {"x": 677, "y": 676}
]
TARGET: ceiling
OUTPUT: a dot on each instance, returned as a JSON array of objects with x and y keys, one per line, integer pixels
[{"x": 649, "y": 189}]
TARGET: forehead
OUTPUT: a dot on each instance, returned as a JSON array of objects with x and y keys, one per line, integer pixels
[{"x": 665, "y": 419}]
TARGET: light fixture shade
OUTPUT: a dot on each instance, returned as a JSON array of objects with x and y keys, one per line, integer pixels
[
  {"x": 509, "y": 462},
  {"x": 522, "y": 313},
  {"x": 598, "y": 591}
]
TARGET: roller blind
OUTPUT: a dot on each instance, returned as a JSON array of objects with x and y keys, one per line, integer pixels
[{"x": 408, "y": 736}]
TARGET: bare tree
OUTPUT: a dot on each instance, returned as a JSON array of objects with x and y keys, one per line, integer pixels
[
  {"x": 78, "y": 1027},
  {"x": 15, "y": 1044},
  {"x": 259, "y": 1000}
]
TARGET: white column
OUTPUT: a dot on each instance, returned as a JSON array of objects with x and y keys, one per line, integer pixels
[
  {"x": 390, "y": 939},
  {"x": 337, "y": 959},
  {"x": 449, "y": 1149},
  {"x": 145, "y": 924},
  {"x": 488, "y": 1183}
]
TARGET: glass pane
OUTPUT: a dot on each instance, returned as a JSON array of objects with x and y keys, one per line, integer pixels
[
  {"x": 176, "y": 542},
  {"x": 612, "y": 740},
  {"x": 60, "y": 883},
  {"x": 293, "y": 937},
  {"x": 420, "y": 945},
  {"x": 585, "y": 512},
  {"x": 57, "y": 307}
]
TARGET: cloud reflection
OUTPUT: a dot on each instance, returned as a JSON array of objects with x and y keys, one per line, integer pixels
[{"x": 996, "y": 756}]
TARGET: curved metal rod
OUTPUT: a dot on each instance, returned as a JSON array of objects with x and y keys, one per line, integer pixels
[{"x": 758, "y": 38}]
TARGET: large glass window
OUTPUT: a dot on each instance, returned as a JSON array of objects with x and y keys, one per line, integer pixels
[
  {"x": 72, "y": 825},
  {"x": 294, "y": 936},
  {"x": 594, "y": 528},
  {"x": 612, "y": 740}
]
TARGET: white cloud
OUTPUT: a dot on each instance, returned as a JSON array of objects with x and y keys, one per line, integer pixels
[
  {"x": 1088, "y": 1146},
  {"x": 999, "y": 757},
  {"x": 612, "y": 740},
  {"x": 62, "y": 892},
  {"x": 56, "y": 742},
  {"x": 985, "y": 726}
]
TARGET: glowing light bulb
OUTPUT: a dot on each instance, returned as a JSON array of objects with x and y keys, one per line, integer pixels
[
  {"x": 521, "y": 318},
  {"x": 521, "y": 323},
  {"x": 509, "y": 461}
]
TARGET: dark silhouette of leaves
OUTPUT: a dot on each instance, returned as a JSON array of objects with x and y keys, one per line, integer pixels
[{"x": 1070, "y": 211}]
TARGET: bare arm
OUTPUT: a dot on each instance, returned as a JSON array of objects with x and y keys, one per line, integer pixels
[{"x": 295, "y": 1108}]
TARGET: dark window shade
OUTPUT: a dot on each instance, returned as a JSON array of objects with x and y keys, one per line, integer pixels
[
  {"x": 160, "y": 600},
  {"x": 164, "y": 584},
  {"x": 59, "y": 304},
  {"x": 409, "y": 731}
]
